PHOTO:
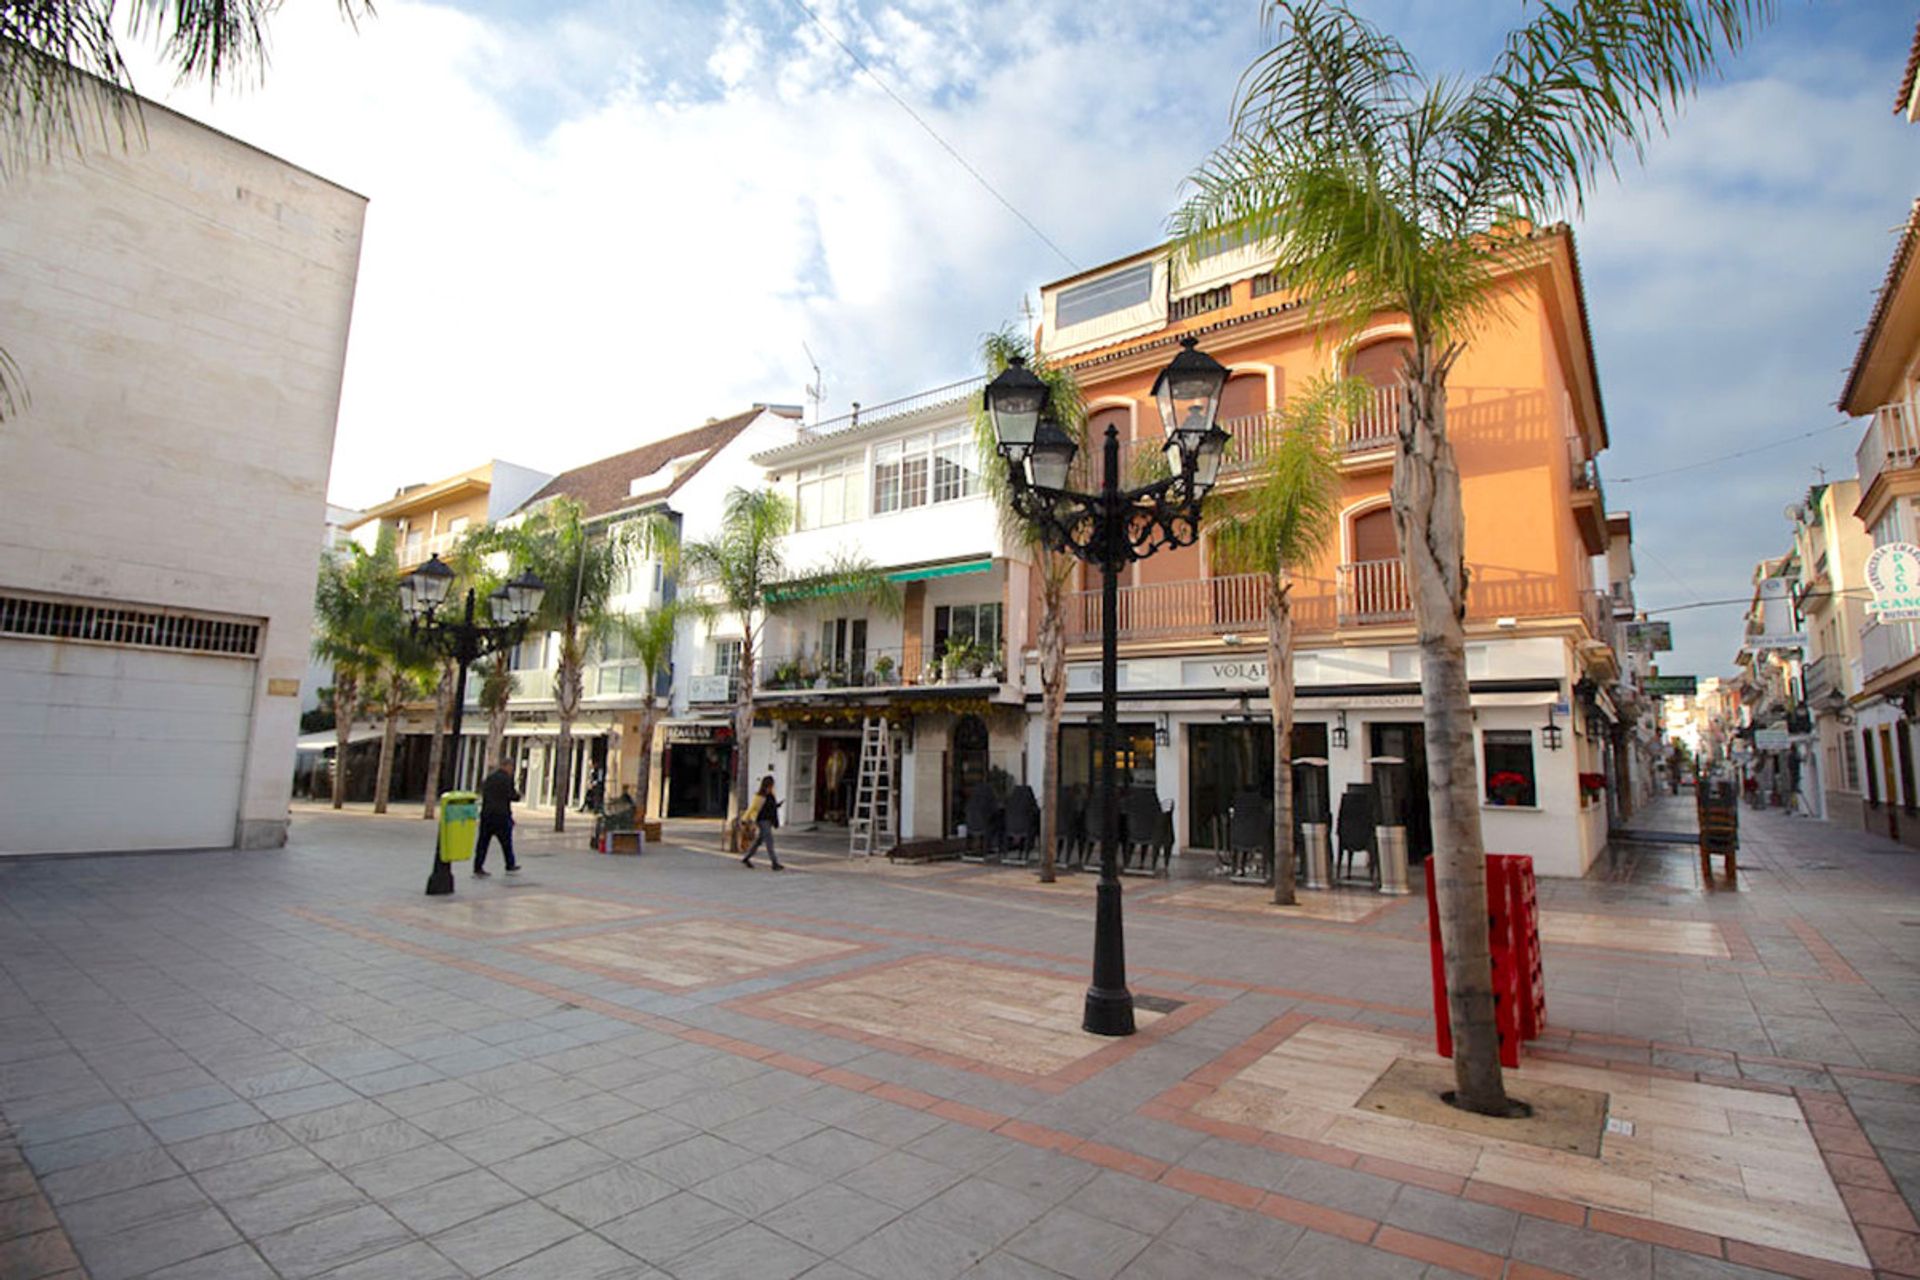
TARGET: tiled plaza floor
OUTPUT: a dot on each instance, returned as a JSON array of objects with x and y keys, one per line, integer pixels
[{"x": 294, "y": 1064}]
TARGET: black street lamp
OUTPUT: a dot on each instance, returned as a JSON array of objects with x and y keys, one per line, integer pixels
[
  {"x": 423, "y": 593},
  {"x": 1111, "y": 529}
]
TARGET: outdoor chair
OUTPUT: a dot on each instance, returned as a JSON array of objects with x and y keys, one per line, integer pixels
[
  {"x": 1250, "y": 837},
  {"x": 1023, "y": 825},
  {"x": 983, "y": 817}
]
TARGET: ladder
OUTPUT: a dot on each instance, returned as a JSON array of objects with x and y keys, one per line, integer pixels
[{"x": 873, "y": 793}]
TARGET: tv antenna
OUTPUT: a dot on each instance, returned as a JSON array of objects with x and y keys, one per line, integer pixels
[{"x": 817, "y": 389}]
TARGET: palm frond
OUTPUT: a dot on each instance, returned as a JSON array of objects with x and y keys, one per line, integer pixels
[
  {"x": 1573, "y": 89},
  {"x": 1283, "y": 521}
]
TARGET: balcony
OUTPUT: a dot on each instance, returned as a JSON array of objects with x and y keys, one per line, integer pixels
[
  {"x": 1885, "y": 645},
  {"x": 1820, "y": 679},
  {"x": 1374, "y": 428},
  {"x": 713, "y": 688},
  {"x": 1373, "y": 592},
  {"x": 1589, "y": 502},
  {"x": 1196, "y": 607},
  {"x": 1891, "y": 444},
  {"x": 909, "y": 666}
]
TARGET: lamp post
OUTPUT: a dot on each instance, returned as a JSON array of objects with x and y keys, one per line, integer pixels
[
  {"x": 423, "y": 593},
  {"x": 1111, "y": 529}
]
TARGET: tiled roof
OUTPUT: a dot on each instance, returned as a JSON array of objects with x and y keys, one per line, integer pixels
[
  {"x": 604, "y": 486},
  {"x": 1906, "y": 81},
  {"x": 1902, "y": 254}
]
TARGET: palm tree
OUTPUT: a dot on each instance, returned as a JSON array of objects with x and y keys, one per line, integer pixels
[
  {"x": 744, "y": 573},
  {"x": 648, "y": 638},
  {"x": 496, "y": 692},
  {"x": 1384, "y": 190},
  {"x": 583, "y": 569},
  {"x": 1055, "y": 569},
  {"x": 406, "y": 666},
  {"x": 63, "y": 80},
  {"x": 1277, "y": 525},
  {"x": 349, "y": 606}
]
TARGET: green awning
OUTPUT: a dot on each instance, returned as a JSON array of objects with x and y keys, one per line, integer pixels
[{"x": 941, "y": 571}]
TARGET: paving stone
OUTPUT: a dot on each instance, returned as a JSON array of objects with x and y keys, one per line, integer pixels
[
  {"x": 375, "y": 1142},
  {"x": 25, "y": 1215},
  {"x": 1672, "y": 1264},
  {"x": 102, "y": 1177},
  {"x": 982, "y": 1210},
  {"x": 42, "y": 1254},
  {"x": 583, "y": 1257},
  {"x": 71, "y": 1153},
  {"x": 153, "y": 1245},
  {"x": 1131, "y": 1202},
  {"x": 611, "y": 1193},
  {"x": 216, "y": 1149},
  {"x": 1076, "y": 1245},
  {"x": 240, "y": 1262},
  {"x": 831, "y": 1153},
  {"x": 757, "y": 1187},
  {"x": 1047, "y": 1176},
  {"x": 640, "y": 1136},
  {"x": 291, "y": 1203},
  {"x": 260, "y": 1173},
  {"x": 908, "y": 1247},
  {"x": 1234, "y": 1237},
  {"x": 104, "y": 1215},
  {"x": 319, "y": 1096},
  {"x": 901, "y": 1179},
  {"x": 331, "y": 1122},
  {"x": 1467, "y": 1222},
  {"x": 326, "y": 1243},
  {"x": 668, "y": 1228},
  {"x": 1585, "y": 1254},
  {"x": 439, "y": 1205},
  {"x": 555, "y": 1165},
  {"x": 415, "y": 1260},
  {"x": 1164, "y": 1260},
  {"x": 501, "y": 1142},
  {"x": 692, "y": 1162},
  {"x": 747, "y": 1250},
  {"x": 1322, "y": 1255}
]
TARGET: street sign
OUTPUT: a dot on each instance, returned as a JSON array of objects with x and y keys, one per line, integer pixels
[
  {"x": 1776, "y": 640},
  {"x": 1650, "y": 637},
  {"x": 1775, "y": 739},
  {"x": 1672, "y": 686},
  {"x": 1893, "y": 574}
]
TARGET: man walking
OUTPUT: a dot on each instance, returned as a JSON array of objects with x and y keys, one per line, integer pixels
[{"x": 497, "y": 794}]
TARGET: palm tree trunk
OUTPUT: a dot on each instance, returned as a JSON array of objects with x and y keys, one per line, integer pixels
[
  {"x": 383, "y": 780},
  {"x": 346, "y": 696},
  {"x": 443, "y": 708},
  {"x": 648, "y": 712},
  {"x": 1280, "y": 699},
  {"x": 568, "y": 683},
  {"x": 1431, "y": 522},
  {"x": 742, "y": 735},
  {"x": 1053, "y": 691}
]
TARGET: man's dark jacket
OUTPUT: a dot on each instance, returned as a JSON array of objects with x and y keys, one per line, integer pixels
[{"x": 497, "y": 794}]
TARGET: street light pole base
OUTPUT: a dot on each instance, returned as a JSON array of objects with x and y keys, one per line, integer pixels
[
  {"x": 440, "y": 879},
  {"x": 1108, "y": 1013}
]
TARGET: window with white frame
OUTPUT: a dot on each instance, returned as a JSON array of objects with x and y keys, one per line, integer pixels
[
  {"x": 956, "y": 465},
  {"x": 829, "y": 492},
  {"x": 978, "y": 625},
  {"x": 941, "y": 467},
  {"x": 1110, "y": 293}
]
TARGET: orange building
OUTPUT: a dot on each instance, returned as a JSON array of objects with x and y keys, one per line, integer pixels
[{"x": 1526, "y": 418}]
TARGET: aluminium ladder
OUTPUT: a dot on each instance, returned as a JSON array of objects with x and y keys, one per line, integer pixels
[{"x": 873, "y": 793}]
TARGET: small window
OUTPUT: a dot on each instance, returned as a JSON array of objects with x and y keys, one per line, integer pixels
[
  {"x": 1509, "y": 761},
  {"x": 1851, "y": 758},
  {"x": 457, "y": 525},
  {"x": 900, "y": 471},
  {"x": 886, "y": 477},
  {"x": 956, "y": 465},
  {"x": 829, "y": 493},
  {"x": 1108, "y": 294}
]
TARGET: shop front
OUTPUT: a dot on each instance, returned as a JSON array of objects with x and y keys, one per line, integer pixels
[{"x": 697, "y": 771}]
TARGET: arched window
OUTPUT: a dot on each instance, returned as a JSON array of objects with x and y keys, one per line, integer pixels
[
  {"x": 1245, "y": 396},
  {"x": 1373, "y": 537},
  {"x": 1380, "y": 363}
]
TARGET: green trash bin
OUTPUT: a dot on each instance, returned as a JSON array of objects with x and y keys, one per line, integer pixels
[{"x": 459, "y": 825}]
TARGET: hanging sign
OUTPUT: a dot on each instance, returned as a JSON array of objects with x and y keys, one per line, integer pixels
[
  {"x": 1779, "y": 627},
  {"x": 1893, "y": 574},
  {"x": 1650, "y": 637},
  {"x": 1671, "y": 686}
]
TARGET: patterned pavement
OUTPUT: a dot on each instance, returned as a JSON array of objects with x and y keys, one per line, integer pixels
[{"x": 294, "y": 1064}]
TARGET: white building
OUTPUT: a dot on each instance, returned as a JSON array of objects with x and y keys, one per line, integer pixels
[
  {"x": 179, "y": 311},
  {"x": 897, "y": 487}
]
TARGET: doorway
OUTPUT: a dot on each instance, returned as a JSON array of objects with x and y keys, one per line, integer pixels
[
  {"x": 835, "y": 770},
  {"x": 1398, "y": 765},
  {"x": 699, "y": 778}
]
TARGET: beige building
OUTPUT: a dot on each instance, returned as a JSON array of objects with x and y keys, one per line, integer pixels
[
  {"x": 430, "y": 519},
  {"x": 1831, "y": 546},
  {"x": 179, "y": 311}
]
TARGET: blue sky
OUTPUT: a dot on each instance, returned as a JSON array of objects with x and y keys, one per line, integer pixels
[{"x": 598, "y": 223}]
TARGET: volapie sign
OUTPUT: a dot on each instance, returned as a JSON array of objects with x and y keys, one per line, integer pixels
[{"x": 1893, "y": 574}]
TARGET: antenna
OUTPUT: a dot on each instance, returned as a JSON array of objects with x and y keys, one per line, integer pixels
[{"x": 817, "y": 389}]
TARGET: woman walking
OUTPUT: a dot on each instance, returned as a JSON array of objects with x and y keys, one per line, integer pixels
[{"x": 767, "y": 815}]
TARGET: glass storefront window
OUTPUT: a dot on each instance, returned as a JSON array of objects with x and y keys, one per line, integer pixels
[{"x": 1080, "y": 762}]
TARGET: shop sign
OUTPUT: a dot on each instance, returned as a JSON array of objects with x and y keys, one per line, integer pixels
[
  {"x": 1776, "y": 640},
  {"x": 1214, "y": 673},
  {"x": 1649, "y": 637},
  {"x": 1774, "y": 739},
  {"x": 1671, "y": 686},
  {"x": 700, "y": 732},
  {"x": 1893, "y": 574}
]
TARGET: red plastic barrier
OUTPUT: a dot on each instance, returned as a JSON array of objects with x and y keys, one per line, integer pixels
[{"x": 1519, "y": 980}]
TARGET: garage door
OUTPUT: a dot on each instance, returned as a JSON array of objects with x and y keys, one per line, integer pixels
[{"x": 133, "y": 740}]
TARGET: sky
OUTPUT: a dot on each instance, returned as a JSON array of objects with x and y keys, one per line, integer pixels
[{"x": 596, "y": 223}]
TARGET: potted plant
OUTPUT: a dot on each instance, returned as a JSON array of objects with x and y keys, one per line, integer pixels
[
  {"x": 883, "y": 669},
  {"x": 1507, "y": 788},
  {"x": 787, "y": 675},
  {"x": 1591, "y": 785}
]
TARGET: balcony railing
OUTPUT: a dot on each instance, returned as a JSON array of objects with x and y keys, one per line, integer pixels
[
  {"x": 1597, "y": 608},
  {"x": 1821, "y": 677},
  {"x": 1195, "y": 607},
  {"x": 1891, "y": 443},
  {"x": 912, "y": 664},
  {"x": 1373, "y": 428},
  {"x": 1373, "y": 592}
]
